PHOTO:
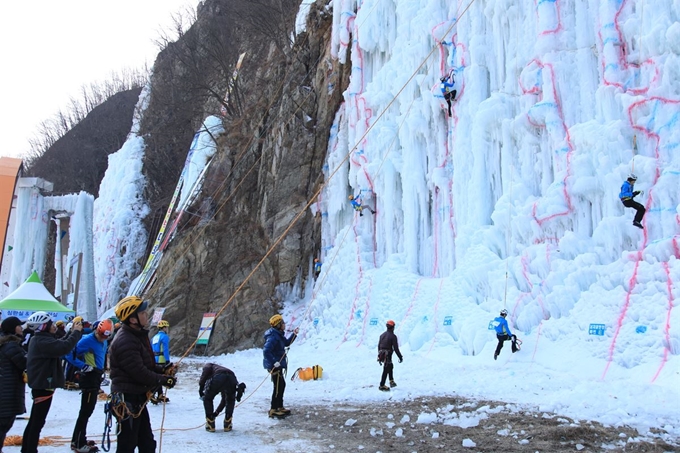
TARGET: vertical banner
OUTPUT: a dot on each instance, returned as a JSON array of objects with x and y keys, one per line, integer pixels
[
  {"x": 206, "y": 328},
  {"x": 157, "y": 315}
]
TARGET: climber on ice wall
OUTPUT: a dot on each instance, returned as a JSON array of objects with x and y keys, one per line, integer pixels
[
  {"x": 357, "y": 205},
  {"x": 446, "y": 85},
  {"x": 627, "y": 194}
]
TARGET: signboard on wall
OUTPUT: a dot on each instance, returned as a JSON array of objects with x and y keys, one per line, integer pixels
[
  {"x": 157, "y": 315},
  {"x": 206, "y": 328}
]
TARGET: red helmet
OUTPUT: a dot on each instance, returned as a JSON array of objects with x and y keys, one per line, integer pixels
[
  {"x": 390, "y": 323},
  {"x": 105, "y": 328}
]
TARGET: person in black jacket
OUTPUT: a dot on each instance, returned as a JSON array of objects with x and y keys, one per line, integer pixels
[
  {"x": 387, "y": 344},
  {"x": 134, "y": 374},
  {"x": 45, "y": 372},
  {"x": 12, "y": 366},
  {"x": 214, "y": 380}
]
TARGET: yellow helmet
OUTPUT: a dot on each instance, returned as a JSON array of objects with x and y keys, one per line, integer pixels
[
  {"x": 163, "y": 323},
  {"x": 275, "y": 320},
  {"x": 128, "y": 306}
]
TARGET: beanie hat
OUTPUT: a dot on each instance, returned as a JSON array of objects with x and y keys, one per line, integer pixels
[{"x": 10, "y": 324}]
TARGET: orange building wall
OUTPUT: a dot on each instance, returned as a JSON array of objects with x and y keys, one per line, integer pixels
[{"x": 9, "y": 172}]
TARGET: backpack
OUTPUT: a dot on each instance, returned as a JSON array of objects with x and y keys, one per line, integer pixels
[{"x": 382, "y": 355}]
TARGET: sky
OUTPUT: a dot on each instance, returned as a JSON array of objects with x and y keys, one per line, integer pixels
[
  {"x": 510, "y": 203},
  {"x": 54, "y": 48}
]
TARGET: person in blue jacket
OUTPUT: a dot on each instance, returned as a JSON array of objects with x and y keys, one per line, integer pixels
[
  {"x": 276, "y": 362},
  {"x": 90, "y": 359},
  {"x": 161, "y": 351},
  {"x": 503, "y": 333},
  {"x": 161, "y": 343},
  {"x": 446, "y": 84},
  {"x": 356, "y": 204},
  {"x": 627, "y": 194},
  {"x": 317, "y": 267}
]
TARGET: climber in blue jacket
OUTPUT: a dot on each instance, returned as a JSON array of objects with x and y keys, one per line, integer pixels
[
  {"x": 627, "y": 194},
  {"x": 357, "y": 205},
  {"x": 275, "y": 361},
  {"x": 503, "y": 333},
  {"x": 447, "y": 83},
  {"x": 90, "y": 359},
  {"x": 160, "y": 343}
]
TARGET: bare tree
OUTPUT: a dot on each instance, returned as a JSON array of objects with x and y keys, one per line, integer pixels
[{"x": 92, "y": 95}]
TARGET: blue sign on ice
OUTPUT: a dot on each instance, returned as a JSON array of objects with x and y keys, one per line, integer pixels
[
  {"x": 641, "y": 329},
  {"x": 316, "y": 321},
  {"x": 596, "y": 329},
  {"x": 447, "y": 320},
  {"x": 374, "y": 321},
  {"x": 358, "y": 314}
]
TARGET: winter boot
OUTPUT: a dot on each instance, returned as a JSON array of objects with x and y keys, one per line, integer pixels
[
  {"x": 638, "y": 224},
  {"x": 276, "y": 413},
  {"x": 384, "y": 388},
  {"x": 392, "y": 383},
  {"x": 89, "y": 447},
  {"x": 284, "y": 410},
  {"x": 495, "y": 356},
  {"x": 210, "y": 424},
  {"x": 227, "y": 424}
]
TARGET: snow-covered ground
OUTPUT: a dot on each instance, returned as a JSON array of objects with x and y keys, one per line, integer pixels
[{"x": 351, "y": 375}]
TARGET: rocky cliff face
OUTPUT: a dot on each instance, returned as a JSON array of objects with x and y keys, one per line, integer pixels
[{"x": 268, "y": 166}]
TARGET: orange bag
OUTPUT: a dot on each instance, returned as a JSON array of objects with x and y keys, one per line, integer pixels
[{"x": 308, "y": 374}]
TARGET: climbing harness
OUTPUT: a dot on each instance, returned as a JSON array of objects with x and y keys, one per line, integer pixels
[{"x": 116, "y": 406}]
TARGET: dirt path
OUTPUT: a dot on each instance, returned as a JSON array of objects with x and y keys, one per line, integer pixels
[{"x": 493, "y": 427}]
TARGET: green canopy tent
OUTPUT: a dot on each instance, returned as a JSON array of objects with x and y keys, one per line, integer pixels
[{"x": 30, "y": 297}]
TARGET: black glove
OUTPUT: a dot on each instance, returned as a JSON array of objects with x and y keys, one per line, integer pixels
[
  {"x": 168, "y": 381},
  {"x": 636, "y": 193},
  {"x": 239, "y": 391},
  {"x": 164, "y": 368},
  {"x": 401, "y": 359}
]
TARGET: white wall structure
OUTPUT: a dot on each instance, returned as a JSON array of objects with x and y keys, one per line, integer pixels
[
  {"x": 31, "y": 225},
  {"x": 35, "y": 210}
]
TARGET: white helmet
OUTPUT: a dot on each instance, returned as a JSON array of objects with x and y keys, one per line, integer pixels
[
  {"x": 632, "y": 176},
  {"x": 38, "y": 320}
]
